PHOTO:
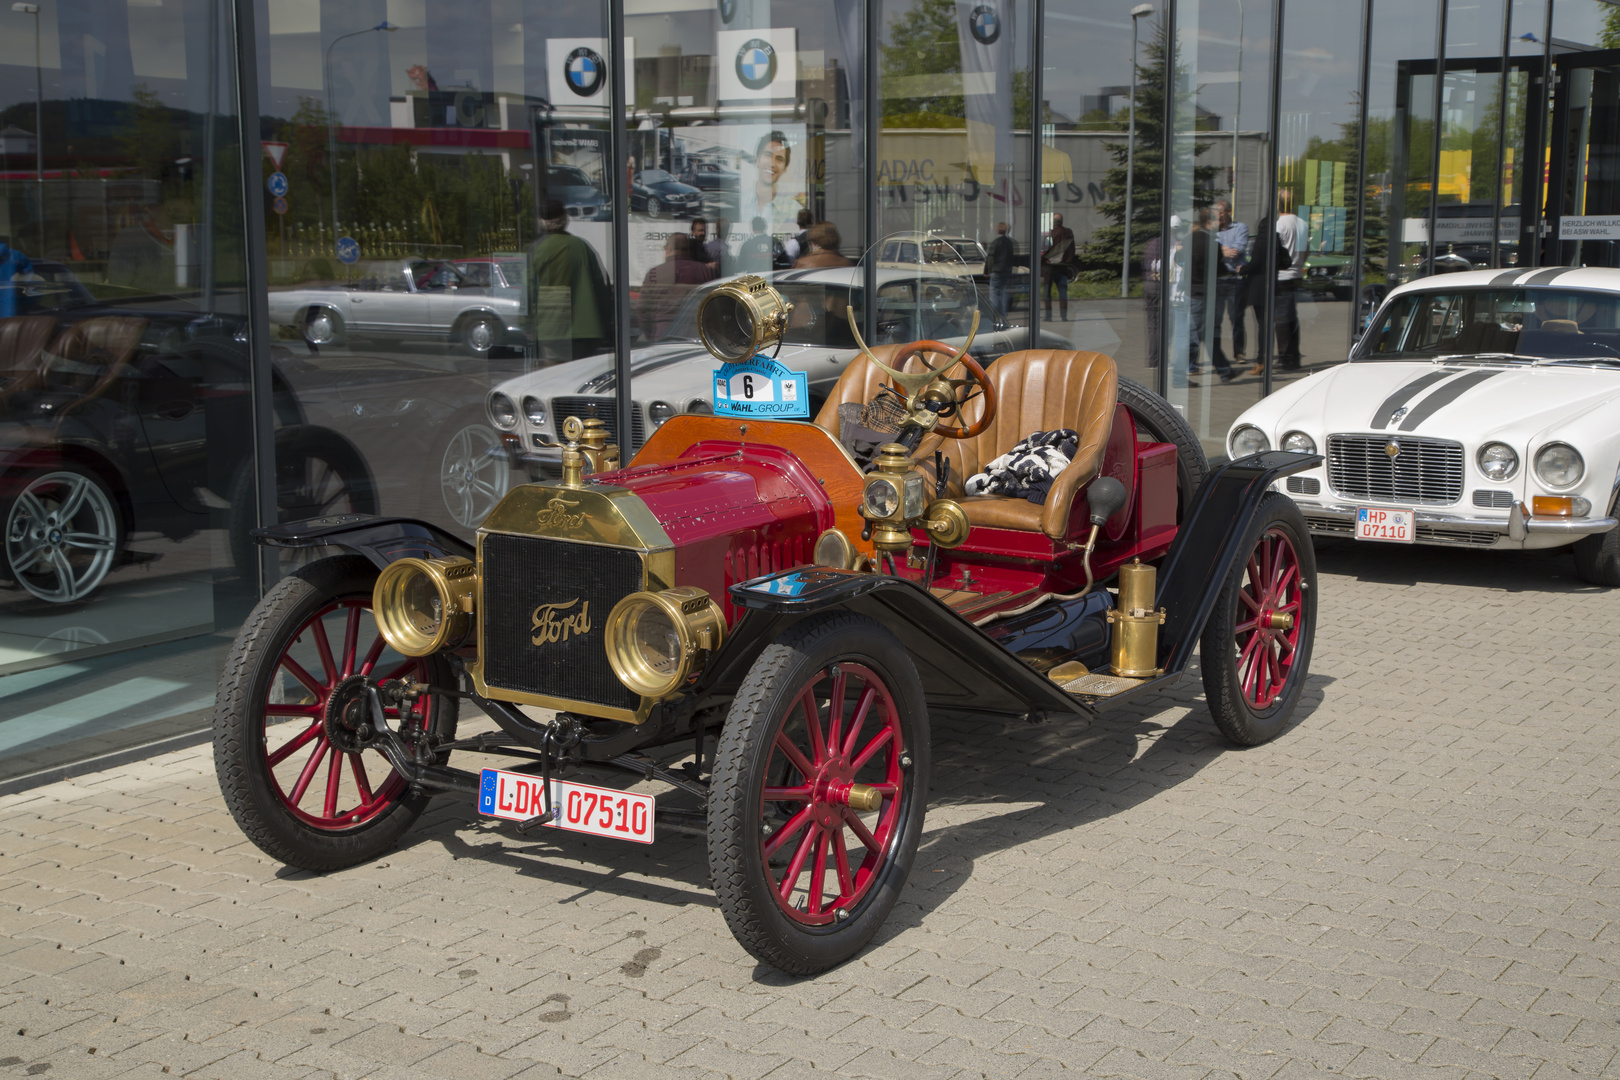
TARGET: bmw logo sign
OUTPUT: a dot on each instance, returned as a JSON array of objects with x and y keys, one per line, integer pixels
[
  {"x": 756, "y": 63},
  {"x": 728, "y": 10},
  {"x": 985, "y": 24},
  {"x": 585, "y": 71}
]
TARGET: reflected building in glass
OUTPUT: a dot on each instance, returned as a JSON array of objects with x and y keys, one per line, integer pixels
[{"x": 263, "y": 261}]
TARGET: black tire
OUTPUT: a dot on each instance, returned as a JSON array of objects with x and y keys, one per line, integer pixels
[
  {"x": 241, "y": 759},
  {"x": 1597, "y": 557},
  {"x": 740, "y": 818},
  {"x": 479, "y": 334},
  {"x": 655, "y": 209},
  {"x": 317, "y": 474},
  {"x": 1251, "y": 716},
  {"x": 1158, "y": 419},
  {"x": 323, "y": 326}
]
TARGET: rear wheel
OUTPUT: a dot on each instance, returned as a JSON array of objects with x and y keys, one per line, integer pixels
[
  {"x": 820, "y": 786},
  {"x": 480, "y": 334},
  {"x": 1256, "y": 648},
  {"x": 1159, "y": 421},
  {"x": 284, "y": 725},
  {"x": 323, "y": 326}
]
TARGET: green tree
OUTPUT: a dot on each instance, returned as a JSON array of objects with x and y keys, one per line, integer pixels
[{"x": 1100, "y": 260}]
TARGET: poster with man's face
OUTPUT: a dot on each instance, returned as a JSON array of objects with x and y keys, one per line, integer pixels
[{"x": 768, "y": 161}]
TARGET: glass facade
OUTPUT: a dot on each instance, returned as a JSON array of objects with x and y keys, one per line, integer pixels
[{"x": 266, "y": 260}]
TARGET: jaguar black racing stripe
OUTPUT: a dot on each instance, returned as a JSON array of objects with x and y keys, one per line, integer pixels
[
  {"x": 1406, "y": 393},
  {"x": 1506, "y": 277},
  {"x": 604, "y": 383},
  {"x": 1444, "y": 396},
  {"x": 1545, "y": 277}
]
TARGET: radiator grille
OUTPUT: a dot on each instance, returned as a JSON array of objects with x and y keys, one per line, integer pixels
[
  {"x": 1425, "y": 471},
  {"x": 1495, "y": 500},
  {"x": 528, "y": 572},
  {"x": 1471, "y": 537},
  {"x": 606, "y": 410}
]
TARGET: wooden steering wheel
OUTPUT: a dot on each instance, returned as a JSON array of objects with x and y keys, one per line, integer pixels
[{"x": 976, "y": 376}]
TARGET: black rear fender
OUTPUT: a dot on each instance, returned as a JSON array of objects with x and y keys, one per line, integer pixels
[
  {"x": 1208, "y": 546},
  {"x": 379, "y": 539}
]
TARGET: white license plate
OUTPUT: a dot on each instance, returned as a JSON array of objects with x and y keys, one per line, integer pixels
[
  {"x": 585, "y": 808},
  {"x": 1396, "y": 526}
]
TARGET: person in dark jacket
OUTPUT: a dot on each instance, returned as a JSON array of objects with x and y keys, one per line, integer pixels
[{"x": 998, "y": 267}]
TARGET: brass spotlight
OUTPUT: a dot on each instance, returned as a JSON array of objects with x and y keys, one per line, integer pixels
[
  {"x": 743, "y": 317},
  {"x": 656, "y": 640},
  {"x": 422, "y": 605}
]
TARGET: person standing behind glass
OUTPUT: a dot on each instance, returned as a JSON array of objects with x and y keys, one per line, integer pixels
[
  {"x": 1152, "y": 291},
  {"x": 570, "y": 308},
  {"x": 1202, "y": 267},
  {"x": 1285, "y": 311},
  {"x": 998, "y": 267},
  {"x": 1232, "y": 285},
  {"x": 1057, "y": 265},
  {"x": 12, "y": 264}
]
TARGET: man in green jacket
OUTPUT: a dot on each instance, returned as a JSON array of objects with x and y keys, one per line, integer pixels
[{"x": 570, "y": 308}]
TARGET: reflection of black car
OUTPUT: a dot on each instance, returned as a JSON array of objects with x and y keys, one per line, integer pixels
[
  {"x": 583, "y": 200},
  {"x": 711, "y": 179},
  {"x": 120, "y": 422},
  {"x": 656, "y": 193}
]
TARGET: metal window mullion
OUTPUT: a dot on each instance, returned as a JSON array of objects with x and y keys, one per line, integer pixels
[
  {"x": 1167, "y": 157},
  {"x": 243, "y": 33},
  {"x": 1036, "y": 128},
  {"x": 1501, "y": 135},
  {"x": 1361, "y": 172},
  {"x": 873, "y": 116},
  {"x": 618, "y": 150},
  {"x": 1268, "y": 321},
  {"x": 1434, "y": 155},
  {"x": 1545, "y": 123}
]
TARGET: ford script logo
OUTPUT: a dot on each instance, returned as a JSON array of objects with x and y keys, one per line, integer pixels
[
  {"x": 585, "y": 71},
  {"x": 985, "y": 25},
  {"x": 556, "y": 622},
  {"x": 556, "y": 515},
  {"x": 756, "y": 63}
]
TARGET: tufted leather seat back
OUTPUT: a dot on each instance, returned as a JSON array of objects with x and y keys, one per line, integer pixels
[
  {"x": 1039, "y": 390},
  {"x": 22, "y": 341}
]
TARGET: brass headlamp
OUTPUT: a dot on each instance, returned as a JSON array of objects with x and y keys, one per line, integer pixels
[
  {"x": 741, "y": 318},
  {"x": 423, "y": 605},
  {"x": 893, "y": 498},
  {"x": 657, "y": 640}
]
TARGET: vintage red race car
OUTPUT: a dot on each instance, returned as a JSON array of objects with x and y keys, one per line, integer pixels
[{"x": 745, "y": 596}]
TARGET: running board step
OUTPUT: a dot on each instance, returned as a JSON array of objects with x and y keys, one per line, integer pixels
[{"x": 1075, "y": 678}]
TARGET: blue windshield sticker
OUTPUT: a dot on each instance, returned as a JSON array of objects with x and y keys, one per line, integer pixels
[{"x": 761, "y": 388}]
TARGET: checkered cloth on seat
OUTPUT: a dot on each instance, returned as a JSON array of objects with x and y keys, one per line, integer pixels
[{"x": 1028, "y": 469}]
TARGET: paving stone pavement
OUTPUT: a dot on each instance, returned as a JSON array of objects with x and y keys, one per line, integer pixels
[{"x": 1414, "y": 881}]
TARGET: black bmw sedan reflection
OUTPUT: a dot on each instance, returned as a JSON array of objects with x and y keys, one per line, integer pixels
[{"x": 656, "y": 193}]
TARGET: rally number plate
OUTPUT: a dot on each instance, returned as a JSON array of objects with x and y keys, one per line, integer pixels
[
  {"x": 1395, "y": 526},
  {"x": 585, "y": 808}
]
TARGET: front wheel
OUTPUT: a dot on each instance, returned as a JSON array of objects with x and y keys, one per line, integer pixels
[
  {"x": 1597, "y": 557},
  {"x": 820, "y": 786},
  {"x": 1256, "y": 648},
  {"x": 480, "y": 334},
  {"x": 295, "y": 770},
  {"x": 63, "y": 533},
  {"x": 655, "y": 208}
]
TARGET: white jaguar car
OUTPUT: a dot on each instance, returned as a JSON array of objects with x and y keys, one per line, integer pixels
[
  {"x": 1480, "y": 409},
  {"x": 675, "y": 373}
]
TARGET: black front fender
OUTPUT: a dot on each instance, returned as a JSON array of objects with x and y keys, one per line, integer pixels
[
  {"x": 1209, "y": 544},
  {"x": 960, "y": 668},
  {"x": 379, "y": 539}
]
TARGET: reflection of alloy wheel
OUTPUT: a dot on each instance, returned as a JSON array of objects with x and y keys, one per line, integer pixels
[
  {"x": 322, "y": 327},
  {"x": 315, "y": 476},
  {"x": 480, "y": 335},
  {"x": 473, "y": 474},
  {"x": 654, "y": 207},
  {"x": 62, "y": 534}
]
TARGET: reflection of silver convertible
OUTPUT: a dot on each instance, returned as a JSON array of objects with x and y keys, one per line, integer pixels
[
  {"x": 403, "y": 299},
  {"x": 675, "y": 374}
]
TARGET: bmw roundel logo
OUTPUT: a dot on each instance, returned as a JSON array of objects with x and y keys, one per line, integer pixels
[
  {"x": 585, "y": 71},
  {"x": 728, "y": 10},
  {"x": 756, "y": 63},
  {"x": 985, "y": 24}
]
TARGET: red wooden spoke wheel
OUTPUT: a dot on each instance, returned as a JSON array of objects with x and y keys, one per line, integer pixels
[
  {"x": 820, "y": 784},
  {"x": 1268, "y": 638},
  {"x": 1256, "y": 647},
  {"x": 842, "y": 743},
  {"x": 318, "y": 779},
  {"x": 290, "y": 745}
]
